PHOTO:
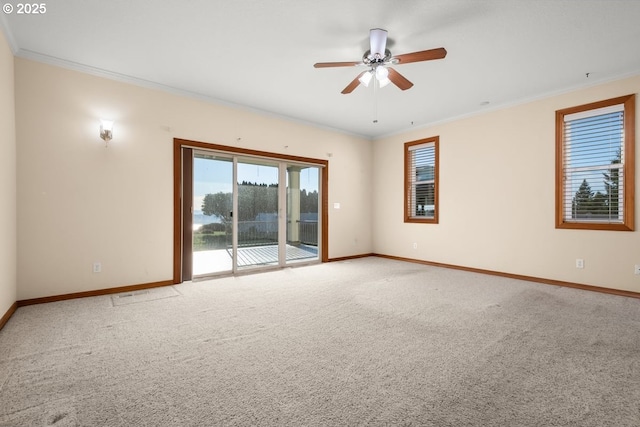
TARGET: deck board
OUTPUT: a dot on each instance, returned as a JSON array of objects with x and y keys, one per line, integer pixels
[
  {"x": 264, "y": 255},
  {"x": 207, "y": 262}
]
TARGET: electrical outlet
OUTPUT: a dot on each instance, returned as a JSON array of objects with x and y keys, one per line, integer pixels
[
  {"x": 579, "y": 263},
  {"x": 415, "y": 245},
  {"x": 97, "y": 267},
  {"x": 637, "y": 269}
]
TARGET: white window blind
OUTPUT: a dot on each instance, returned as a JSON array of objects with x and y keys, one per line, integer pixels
[
  {"x": 593, "y": 172},
  {"x": 422, "y": 181}
]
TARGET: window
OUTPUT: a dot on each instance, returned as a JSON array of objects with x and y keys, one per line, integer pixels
[
  {"x": 595, "y": 165},
  {"x": 421, "y": 181}
]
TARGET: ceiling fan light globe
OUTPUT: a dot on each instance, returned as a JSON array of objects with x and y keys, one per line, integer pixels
[
  {"x": 383, "y": 82},
  {"x": 382, "y": 73},
  {"x": 365, "y": 79}
]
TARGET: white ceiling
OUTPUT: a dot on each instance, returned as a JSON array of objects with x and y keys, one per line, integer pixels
[{"x": 260, "y": 53}]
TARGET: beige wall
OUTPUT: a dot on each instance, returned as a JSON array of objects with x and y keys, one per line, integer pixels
[
  {"x": 497, "y": 188},
  {"x": 8, "y": 279},
  {"x": 79, "y": 202}
]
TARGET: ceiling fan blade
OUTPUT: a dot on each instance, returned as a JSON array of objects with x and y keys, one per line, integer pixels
[
  {"x": 424, "y": 55},
  {"x": 398, "y": 79},
  {"x": 354, "y": 84},
  {"x": 336, "y": 64},
  {"x": 378, "y": 42}
]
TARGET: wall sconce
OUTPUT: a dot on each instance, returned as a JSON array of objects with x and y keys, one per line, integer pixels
[{"x": 106, "y": 130}]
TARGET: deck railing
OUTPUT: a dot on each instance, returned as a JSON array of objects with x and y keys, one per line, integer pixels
[
  {"x": 308, "y": 232},
  {"x": 255, "y": 233},
  {"x": 251, "y": 233}
]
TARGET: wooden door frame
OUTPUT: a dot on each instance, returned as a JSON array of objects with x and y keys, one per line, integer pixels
[
  {"x": 179, "y": 143},
  {"x": 186, "y": 270}
]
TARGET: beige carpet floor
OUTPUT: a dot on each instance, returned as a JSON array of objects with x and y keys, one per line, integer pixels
[{"x": 370, "y": 341}]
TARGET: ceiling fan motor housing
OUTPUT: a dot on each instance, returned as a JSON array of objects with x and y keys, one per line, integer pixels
[{"x": 369, "y": 59}]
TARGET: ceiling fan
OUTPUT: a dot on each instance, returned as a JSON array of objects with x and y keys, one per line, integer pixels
[{"x": 378, "y": 60}]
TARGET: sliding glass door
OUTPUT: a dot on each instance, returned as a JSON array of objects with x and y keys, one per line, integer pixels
[
  {"x": 258, "y": 213},
  {"x": 212, "y": 214},
  {"x": 250, "y": 213},
  {"x": 303, "y": 195}
]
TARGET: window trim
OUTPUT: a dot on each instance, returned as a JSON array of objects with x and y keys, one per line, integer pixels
[
  {"x": 628, "y": 166},
  {"x": 435, "y": 140}
]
